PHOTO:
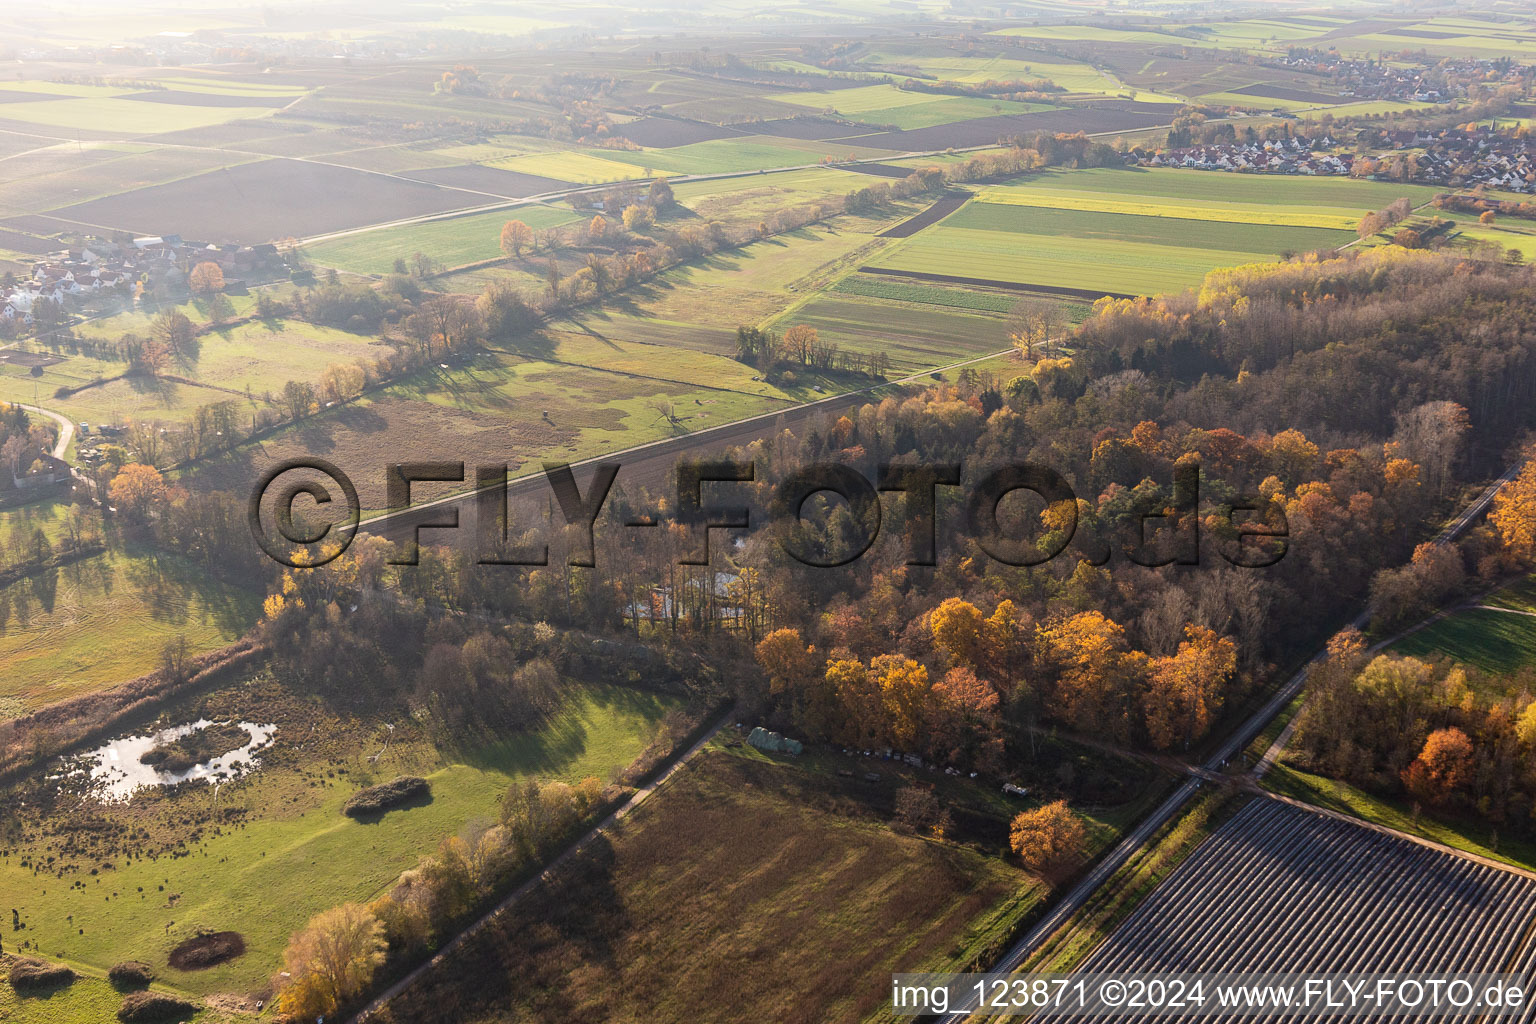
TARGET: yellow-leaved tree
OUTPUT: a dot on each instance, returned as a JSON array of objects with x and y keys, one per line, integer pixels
[{"x": 330, "y": 961}]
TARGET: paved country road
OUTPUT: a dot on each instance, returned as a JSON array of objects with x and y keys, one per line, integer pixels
[{"x": 66, "y": 428}]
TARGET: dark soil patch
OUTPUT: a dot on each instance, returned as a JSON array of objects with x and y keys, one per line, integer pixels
[
  {"x": 38, "y": 975},
  {"x": 663, "y": 132},
  {"x": 28, "y": 359},
  {"x": 812, "y": 129},
  {"x": 375, "y": 800},
  {"x": 154, "y": 1007},
  {"x": 266, "y": 201},
  {"x": 881, "y": 170},
  {"x": 1012, "y": 286},
  {"x": 510, "y": 184},
  {"x": 1419, "y": 33},
  {"x": 1280, "y": 92},
  {"x": 207, "y": 950},
  {"x": 30, "y": 245},
  {"x": 207, "y": 99},
  {"x": 14, "y": 96},
  {"x": 195, "y": 748},
  {"x": 951, "y": 202}
]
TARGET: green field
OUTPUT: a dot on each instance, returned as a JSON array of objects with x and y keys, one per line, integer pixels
[
  {"x": 1499, "y": 642},
  {"x": 926, "y": 294},
  {"x": 1100, "y": 264},
  {"x": 243, "y": 363},
  {"x": 914, "y": 338},
  {"x": 1283, "y": 193},
  {"x": 743, "y": 153},
  {"x": 105, "y": 109},
  {"x": 1212, "y": 235},
  {"x": 1136, "y": 232},
  {"x": 292, "y": 852},
  {"x": 906, "y": 108},
  {"x": 102, "y": 621},
  {"x": 450, "y": 242}
]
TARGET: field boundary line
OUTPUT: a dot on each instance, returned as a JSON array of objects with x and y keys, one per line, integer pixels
[
  {"x": 690, "y": 439},
  {"x": 612, "y": 818}
]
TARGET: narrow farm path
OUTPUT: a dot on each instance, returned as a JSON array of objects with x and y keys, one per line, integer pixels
[{"x": 640, "y": 796}]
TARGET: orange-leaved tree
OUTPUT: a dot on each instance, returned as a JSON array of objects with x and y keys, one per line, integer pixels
[{"x": 1048, "y": 837}]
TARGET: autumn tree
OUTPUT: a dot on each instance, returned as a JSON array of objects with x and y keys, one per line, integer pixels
[
  {"x": 598, "y": 227},
  {"x": 1098, "y": 675},
  {"x": 1487, "y": 217},
  {"x": 1514, "y": 512},
  {"x": 173, "y": 330},
  {"x": 515, "y": 237},
  {"x": 660, "y": 196},
  {"x": 206, "y": 278},
  {"x": 1370, "y": 224},
  {"x": 1034, "y": 321},
  {"x": 137, "y": 489},
  {"x": 331, "y": 961},
  {"x": 799, "y": 341},
  {"x": 906, "y": 695},
  {"x": 341, "y": 381},
  {"x": 1185, "y": 691},
  {"x": 1048, "y": 838},
  {"x": 966, "y": 725},
  {"x": 1442, "y": 768},
  {"x": 957, "y": 625},
  {"x": 638, "y": 217}
]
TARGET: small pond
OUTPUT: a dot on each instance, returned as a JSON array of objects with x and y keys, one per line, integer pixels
[{"x": 115, "y": 771}]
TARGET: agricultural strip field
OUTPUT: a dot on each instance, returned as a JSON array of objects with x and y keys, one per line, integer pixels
[
  {"x": 100, "y": 621},
  {"x": 914, "y": 337},
  {"x": 1284, "y": 193},
  {"x": 741, "y": 153},
  {"x": 503, "y": 407},
  {"x": 509, "y": 184},
  {"x": 762, "y": 854},
  {"x": 450, "y": 242},
  {"x": 266, "y": 201},
  {"x": 1123, "y": 232},
  {"x": 1277, "y": 885},
  {"x": 281, "y": 849},
  {"x": 585, "y": 385}
]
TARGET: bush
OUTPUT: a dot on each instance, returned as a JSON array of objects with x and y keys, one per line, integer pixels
[
  {"x": 36, "y": 974},
  {"x": 131, "y": 974},
  {"x": 154, "y": 1006},
  {"x": 380, "y": 798}
]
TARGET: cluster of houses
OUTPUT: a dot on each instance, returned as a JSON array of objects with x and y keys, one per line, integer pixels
[
  {"x": 1438, "y": 82},
  {"x": 1277, "y": 156},
  {"x": 155, "y": 262},
  {"x": 1457, "y": 157},
  {"x": 1481, "y": 156}
]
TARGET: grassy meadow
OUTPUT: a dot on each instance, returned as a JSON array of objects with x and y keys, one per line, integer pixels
[
  {"x": 283, "y": 850},
  {"x": 103, "y": 620}
]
